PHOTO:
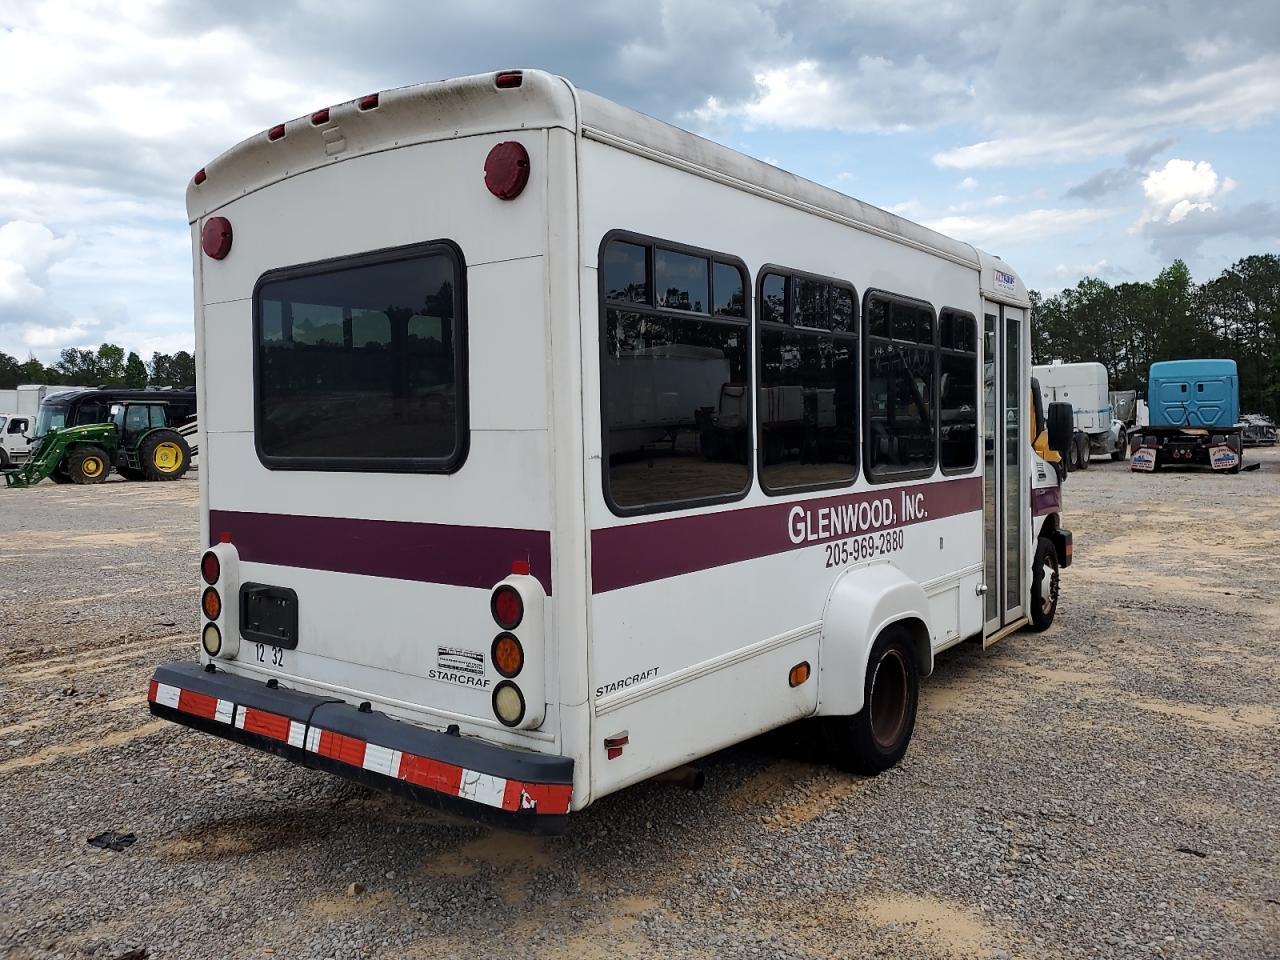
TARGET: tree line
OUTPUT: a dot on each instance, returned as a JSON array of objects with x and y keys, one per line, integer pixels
[
  {"x": 108, "y": 365},
  {"x": 1129, "y": 326}
]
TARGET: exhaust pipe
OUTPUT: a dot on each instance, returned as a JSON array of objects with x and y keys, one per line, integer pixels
[{"x": 691, "y": 778}]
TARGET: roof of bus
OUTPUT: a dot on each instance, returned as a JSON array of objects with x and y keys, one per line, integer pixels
[
  {"x": 122, "y": 393},
  {"x": 475, "y": 105}
]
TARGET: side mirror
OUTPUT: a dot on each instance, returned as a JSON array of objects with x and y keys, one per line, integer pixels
[{"x": 1062, "y": 428}]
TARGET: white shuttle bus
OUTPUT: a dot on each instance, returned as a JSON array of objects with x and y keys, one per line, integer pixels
[{"x": 548, "y": 448}]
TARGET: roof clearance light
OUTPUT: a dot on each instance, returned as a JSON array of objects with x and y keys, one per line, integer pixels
[
  {"x": 368, "y": 103},
  {"x": 508, "y": 79},
  {"x": 215, "y": 238},
  {"x": 507, "y": 607},
  {"x": 506, "y": 170},
  {"x": 210, "y": 567},
  {"x": 276, "y": 132},
  {"x": 320, "y": 116},
  {"x": 200, "y": 177}
]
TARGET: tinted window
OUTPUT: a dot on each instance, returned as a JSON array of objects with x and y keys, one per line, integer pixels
[
  {"x": 957, "y": 391},
  {"x": 359, "y": 363},
  {"x": 681, "y": 282},
  {"x": 625, "y": 274},
  {"x": 900, "y": 395},
  {"x": 91, "y": 411},
  {"x": 675, "y": 388},
  {"x": 773, "y": 298},
  {"x": 807, "y": 405},
  {"x": 730, "y": 295}
]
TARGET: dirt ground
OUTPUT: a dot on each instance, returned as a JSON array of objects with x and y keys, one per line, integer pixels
[{"x": 1107, "y": 788}]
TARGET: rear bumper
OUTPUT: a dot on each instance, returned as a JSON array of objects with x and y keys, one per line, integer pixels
[{"x": 512, "y": 788}]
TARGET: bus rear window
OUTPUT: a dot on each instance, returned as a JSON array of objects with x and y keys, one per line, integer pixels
[{"x": 360, "y": 363}]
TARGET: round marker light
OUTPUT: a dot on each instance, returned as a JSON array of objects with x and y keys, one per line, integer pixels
[
  {"x": 211, "y": 640},
  {"x": 508, "y": 703},
  {"x": 215, "y": 238},
  {"x": 506, "y": 170},
  {"x": 211, "y": 603},
  {"x": 507, "y": 607},
  {"x": 210, "y": 567},
  {"x": 507, "y": 654}
]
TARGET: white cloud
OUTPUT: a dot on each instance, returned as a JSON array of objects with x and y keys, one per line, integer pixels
[
  {"x": 968, "y": 183},
  {"x": 871, "y": 94},
  {"x": 1177, "y": 189},
  {"x": 1004, "y": 229},
  {"x": 1101, "y": 268}
]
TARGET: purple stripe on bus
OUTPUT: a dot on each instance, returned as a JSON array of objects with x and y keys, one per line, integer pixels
[
  {"x": 634, "y": 553},
  {"x": 1045, "y": 500},
  {"x": 425, "y": 552}
]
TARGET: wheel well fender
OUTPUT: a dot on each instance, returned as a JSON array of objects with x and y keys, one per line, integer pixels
[{"x": 862, "y": 603}]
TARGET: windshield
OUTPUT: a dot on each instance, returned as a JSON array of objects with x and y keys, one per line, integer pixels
[
  {"x": 3, "y": 421},
  {"x": 52, "y": 416}
]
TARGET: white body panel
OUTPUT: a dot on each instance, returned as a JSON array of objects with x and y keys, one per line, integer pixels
[
  {"x": 1085, "y": 387},
  {"x": 665, "y": 657}
]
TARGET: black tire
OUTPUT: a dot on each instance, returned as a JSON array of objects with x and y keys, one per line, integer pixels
[
  {"x": 874, "y": 739},
  {"x": 1084, "y": 453},
  {"x": 4, "y": 458},
  {"x": 88, "y": 465},
  {"x": 59, "y": 474},
  {"x": 164, "y": 455},
  {"x": 1122, "y": 447},
  {"x": 1044, "y": 585}
]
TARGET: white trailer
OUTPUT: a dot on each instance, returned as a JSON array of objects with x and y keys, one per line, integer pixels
[
  {"x": 1099, "y": 432},
  {"x": 429, "y": 324}
]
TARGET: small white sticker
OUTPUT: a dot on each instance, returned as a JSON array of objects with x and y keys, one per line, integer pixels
[
  {"x": 1005, "y": 281},
  {"x": 1144, "y": 459}
]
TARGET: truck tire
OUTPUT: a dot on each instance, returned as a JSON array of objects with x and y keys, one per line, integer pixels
[
  {"x": 164, "y": 455},
  {"x": 1044, "y": 585},
  {"x": 88, "y": 465},
  {"x": 876, "y": 737},
  {"x": 4, "y": 458},
  {"x": 1122, "y": 447},
  {"x": 1085, "y": 452}
]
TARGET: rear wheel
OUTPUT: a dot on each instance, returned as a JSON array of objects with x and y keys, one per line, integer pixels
[
  {"x": 1084, "y": 453},
  {"x": 1044, "y": 585},
  {"x": 164, "y": 455},
  {"x": 4, "y": 458},
  {"x": 88, "y": 465},
  {"x": 876, "y": 738},
  {"x": 1122, "y": 447}
]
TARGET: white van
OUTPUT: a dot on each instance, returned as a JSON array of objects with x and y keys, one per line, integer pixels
[
  {"x": 15, "y": 439},
  {"x": 488, "y": 517}
]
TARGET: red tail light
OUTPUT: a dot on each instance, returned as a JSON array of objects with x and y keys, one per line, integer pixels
[
  {"x": 276, "y": 132},
  {"x": 507, "y": 607},
  {"x": 368, "y": 103},
  {"x": 506, "y": 170},
  {"x": 210, "y": 567},
  {"x": 215, "y": 238},
  {"x": 320, "y": 116},
  {"x": 508, "y": 79},
  {"x": 200, "y": 176}
]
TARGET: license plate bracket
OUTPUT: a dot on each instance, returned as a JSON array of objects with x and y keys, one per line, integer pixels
[{"x": 269, "y": 615}]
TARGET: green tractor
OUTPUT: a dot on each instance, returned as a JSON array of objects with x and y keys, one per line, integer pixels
[{"x": 138, "y": 442}]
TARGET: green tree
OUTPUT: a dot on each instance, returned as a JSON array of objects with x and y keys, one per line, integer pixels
[
  {"x": 78, "y": 366},
  {"x": 135, "y": 372},
  {"x": 10, "y": 372},
  {"x": 33, "y": 371},
  {"x": 111, "y": 364}
]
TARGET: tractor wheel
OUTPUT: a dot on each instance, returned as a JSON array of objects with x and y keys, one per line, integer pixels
[
  {"x": 88, "y": 465},
  {"x": 4, "y": 459},
  {"x": 164, "y": 455},
  {"x": 59, "y": 474}
]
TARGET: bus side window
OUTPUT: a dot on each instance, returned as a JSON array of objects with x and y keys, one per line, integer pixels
[
  {"x": 901, "y": 423},
  {"x": 957, "y": 391},
  {"x": 807, "y": 408},
  {"x": 675, "y": 373}
]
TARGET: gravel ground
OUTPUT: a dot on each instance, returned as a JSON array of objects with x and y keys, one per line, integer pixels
[{"x": 1106, "y": 789}]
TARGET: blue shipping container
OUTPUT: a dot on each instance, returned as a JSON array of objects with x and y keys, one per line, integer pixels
[{"x": 1194, "y": 393}]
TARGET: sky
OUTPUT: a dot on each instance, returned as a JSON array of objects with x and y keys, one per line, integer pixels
[{"x": 1090, "y": 137}]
